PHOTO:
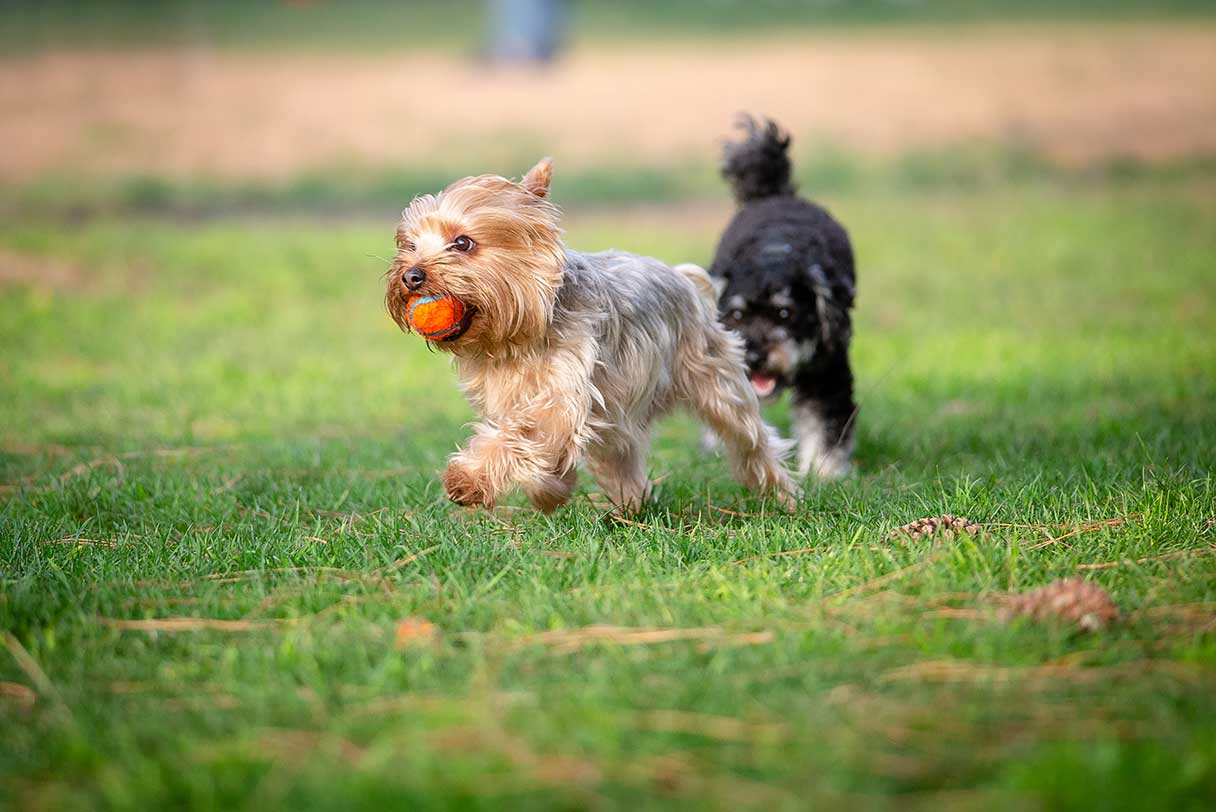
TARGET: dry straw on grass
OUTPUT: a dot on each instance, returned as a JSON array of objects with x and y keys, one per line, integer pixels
[
  {"x": 564, "y": 641},
  {"x": 173, "y": 625},
  {"x": 719, "y": 728}
]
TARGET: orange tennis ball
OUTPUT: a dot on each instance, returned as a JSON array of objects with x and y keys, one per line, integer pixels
[{"x": 436, "y": 317}]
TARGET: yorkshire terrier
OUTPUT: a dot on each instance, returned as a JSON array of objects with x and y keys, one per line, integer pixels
[
  {"x": 784, "y": 268},
  {"x": 568, "y": 356}
]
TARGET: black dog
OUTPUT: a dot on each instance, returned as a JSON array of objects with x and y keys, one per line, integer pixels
[{"x": 784, "y": 271}]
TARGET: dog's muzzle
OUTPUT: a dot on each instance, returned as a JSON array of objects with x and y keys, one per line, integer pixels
[{"x": 763, "y": 384}]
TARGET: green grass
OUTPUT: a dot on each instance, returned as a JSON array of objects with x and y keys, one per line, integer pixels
[
  {"x": 224, "y": 412},
  {"x": 382, "y": 24},
  {"x": 345, "y": 190}
]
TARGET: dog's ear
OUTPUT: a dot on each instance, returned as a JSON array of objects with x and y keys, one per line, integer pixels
[
  {"x": 538, "y": 177},
  {"x": 830, "y": 306}
]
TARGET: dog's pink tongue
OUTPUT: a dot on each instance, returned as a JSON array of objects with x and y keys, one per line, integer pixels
[{"x": 763, "y": 384}]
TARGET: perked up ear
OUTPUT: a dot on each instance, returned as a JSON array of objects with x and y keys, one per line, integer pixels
[{"x": 538, "y": 177}]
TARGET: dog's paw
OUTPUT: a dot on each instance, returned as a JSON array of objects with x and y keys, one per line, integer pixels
[
  {"x": 786, "y": 493},
  {"x": 466, "y": 486},
  {"x": 788, "y": 500},
  {"x": 827, "y": 466}
]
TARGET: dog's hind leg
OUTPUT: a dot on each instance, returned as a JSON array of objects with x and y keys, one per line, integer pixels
[
  {"x": 824, "y": 416},
  {"x": 710, "y": 375},
  {"x": 618, "y": 463},
  {"x": 549, "y": 494}
]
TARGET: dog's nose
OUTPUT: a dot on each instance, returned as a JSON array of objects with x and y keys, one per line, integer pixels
[
  {"x": 413, "y": 278},
  {"x": 752, "y": 357}
]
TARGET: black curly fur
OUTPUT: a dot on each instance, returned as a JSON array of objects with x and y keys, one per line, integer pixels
[
  {"x": 784, "y": 253},
  {"x": 758, "y": 167}
]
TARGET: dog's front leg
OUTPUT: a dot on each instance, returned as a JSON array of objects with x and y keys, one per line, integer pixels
[
  {"x": 494, "y": 460},
  {"x": 466, "y": 480},
  {"x": 533, "y": 440},
  {"x": 538, "y": 454}
]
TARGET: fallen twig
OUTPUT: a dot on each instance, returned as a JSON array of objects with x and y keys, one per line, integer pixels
[
  {"x": 567, "y": 640},
  {"x": 193, "y": 624},
  {"x": 737, "y": 513},
  {"x": 82, "y": 542},
  {"x": 616, "y": 517},
  {"x": 22, "y": 695},
  {"x": 777, "y": 554},
  {"x": 402, "y": 562},
  {"x": 721, "y": 728},
  {"x": 31, "y": 668},
  {"x": 1074, "y": 530},
  {"x": 228, "y": 577},
  {"x": 950, "y": 670},
  {"x": 28, "y": 665},
  {"x": 884, "y": 579},
  {"x": 1179, "y": 554}
]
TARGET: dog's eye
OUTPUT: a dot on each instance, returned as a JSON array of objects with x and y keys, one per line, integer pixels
[
  {"x": 784, "y": 313},
  {"x": 736, "y": 315},
  {"x": 462, "y": 244}
]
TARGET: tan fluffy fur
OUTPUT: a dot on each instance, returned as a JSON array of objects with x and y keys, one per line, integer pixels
[{"x": 570, "y": 357}]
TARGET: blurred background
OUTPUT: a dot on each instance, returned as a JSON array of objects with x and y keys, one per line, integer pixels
[{"x": 307, "y": 104}]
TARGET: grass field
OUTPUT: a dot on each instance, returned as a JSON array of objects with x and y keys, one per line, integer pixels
[{"x": 229, "y": 579}]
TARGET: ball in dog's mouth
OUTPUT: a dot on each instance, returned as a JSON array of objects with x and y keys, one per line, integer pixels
[
  {"x": 763, "y": 384},
  {"x": 439, "y": 317},
  {"x": 463, "y": 325}
]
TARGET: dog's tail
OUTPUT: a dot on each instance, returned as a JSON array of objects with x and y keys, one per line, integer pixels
[
  {"x": 706, "y": 292},
  {"x": 758, "y": 166}
]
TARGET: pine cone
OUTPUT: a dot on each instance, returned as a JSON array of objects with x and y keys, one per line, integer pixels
[
  {"x": 948, "y": 525},
  {"x": 1072, "y": 600}
]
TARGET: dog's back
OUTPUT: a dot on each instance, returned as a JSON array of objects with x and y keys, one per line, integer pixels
[
  {"x": 771, "y": 213},
  {"x": 785, "y": 271}
]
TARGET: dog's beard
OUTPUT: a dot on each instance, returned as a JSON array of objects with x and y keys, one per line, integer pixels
[
  {"x": 508, "y": 281},
  {"x": 779, "y": 363}
]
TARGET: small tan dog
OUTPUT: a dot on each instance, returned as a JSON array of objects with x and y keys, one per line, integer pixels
[{"x": 568, "y": 356}]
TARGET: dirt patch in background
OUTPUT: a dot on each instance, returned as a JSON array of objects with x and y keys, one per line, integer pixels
[
  {"x": 40, "y": 272},
  {"x": 1076, "y": 94}
]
